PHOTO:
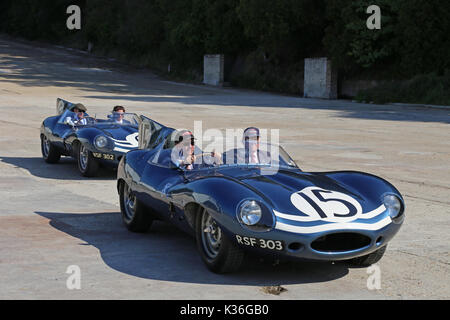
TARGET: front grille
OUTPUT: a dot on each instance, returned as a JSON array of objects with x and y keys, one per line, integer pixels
[{"x": 338, "y": 242}]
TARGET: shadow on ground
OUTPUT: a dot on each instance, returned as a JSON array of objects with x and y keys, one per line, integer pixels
[
  {"x": 65, "y": 169},
  {"x": 165, "y": 253},
  {"x": 31, "y": 66}
]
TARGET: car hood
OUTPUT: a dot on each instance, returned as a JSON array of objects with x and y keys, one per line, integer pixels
[
  {"x": 125, "y": 138},
  {"x": 279, "y": 188},
  {"x": 117, "y": 132}
]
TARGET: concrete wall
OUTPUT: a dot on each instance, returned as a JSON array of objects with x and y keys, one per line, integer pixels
[
  {"x": 213, "y": 69},
  {"x": 320, "y": 79}
]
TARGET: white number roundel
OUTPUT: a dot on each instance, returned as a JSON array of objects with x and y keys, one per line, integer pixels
[{"x": 321, "y": 204}]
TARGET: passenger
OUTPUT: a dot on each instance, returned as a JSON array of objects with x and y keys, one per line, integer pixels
[
  {"x": 251, "y": 153},
  {"x": 117, "y": 115}
]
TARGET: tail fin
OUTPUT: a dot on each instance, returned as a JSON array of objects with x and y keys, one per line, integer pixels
[{"x": 62, "y": 105}]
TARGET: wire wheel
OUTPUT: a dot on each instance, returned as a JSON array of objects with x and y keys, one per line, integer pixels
[
  {"x": 45, "y": 146},
  {"x": 129, "y": 203},
  {"x": 83, "y": 157},
  {"x": 211, "y": 236},
  {"x": 218, "y": 252}
]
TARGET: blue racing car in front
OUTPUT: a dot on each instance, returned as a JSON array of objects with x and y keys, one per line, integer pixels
[
  {"x": 93, "y": 141},
  {"x": 272, "y": 208}
]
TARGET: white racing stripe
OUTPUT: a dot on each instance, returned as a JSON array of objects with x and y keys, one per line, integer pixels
[
  {"x": 130, "y": 140},
  {"x": 121, "y": 149},
  {"x": 126, "y": 145},
  {"x": 294, "y": 217},
  {"x": 334, "y": 226}
]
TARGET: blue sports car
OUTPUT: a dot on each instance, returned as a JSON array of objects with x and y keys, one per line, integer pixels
[
  {"x": 271, "y": 208},
  {"x": 91, "y": 140}
]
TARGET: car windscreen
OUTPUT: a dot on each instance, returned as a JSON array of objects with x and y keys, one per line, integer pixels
[
  {"x": 112, "y": 118},
  {"x": 260, "y": 155}
]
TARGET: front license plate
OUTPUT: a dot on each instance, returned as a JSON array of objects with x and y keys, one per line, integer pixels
[
  {"x": 104, "y": 156},
  {"x": 276, "y": 245}
]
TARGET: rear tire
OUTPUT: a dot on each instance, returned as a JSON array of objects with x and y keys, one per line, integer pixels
[
  {"x": 368, "y": 260},
  {"x": 87, "y": 164},
  {"x": 218, "y": 252},
  {"x": 135, "y": 215},
  {"x": 49, "y": 152}
]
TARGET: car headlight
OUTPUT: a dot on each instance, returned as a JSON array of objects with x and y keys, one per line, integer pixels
[
  {"x": 101, "y": 142},
  {"x": 250, "y": 212},
  {"x": 392, "y": 204}
]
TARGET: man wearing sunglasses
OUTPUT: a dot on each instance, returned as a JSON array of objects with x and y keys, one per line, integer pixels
[
  {"x": 78, "y": 118},
  {"x": 183, "y": 154},
  {"x": 183, "y": 151},
  {"x": 251, "y": 153}
]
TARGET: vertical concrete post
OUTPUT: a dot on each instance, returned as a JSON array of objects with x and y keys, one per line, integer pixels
[
  {"x": 213, "y": 69},
  {"x": 320, "y": 79}
]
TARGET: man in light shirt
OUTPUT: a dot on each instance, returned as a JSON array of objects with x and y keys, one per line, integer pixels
[
  {"x": 183, "y": 151},
  {"x": 251, "y": 153},
  {"x": 183, "y": 154},
  {"x": 78, "y": 118},
  {"x": 117, "y": 115}
]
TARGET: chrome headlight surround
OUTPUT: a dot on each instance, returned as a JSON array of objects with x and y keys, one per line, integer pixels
[
  {"x": 250, "y": 212},
  {"x": 394, "y": 206},
  {"x": 254, "y": 215},
  {"x": 101, "y": 142}
]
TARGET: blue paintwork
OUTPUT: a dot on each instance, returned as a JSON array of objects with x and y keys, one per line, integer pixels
[
  {"x": 170, "y": 192},
  {"x": 63, "y": 136}
]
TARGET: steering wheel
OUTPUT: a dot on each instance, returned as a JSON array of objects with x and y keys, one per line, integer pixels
[{"x": 208, "y": 155}]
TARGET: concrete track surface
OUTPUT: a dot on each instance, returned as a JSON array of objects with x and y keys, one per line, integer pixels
[{"x": 52, "y": 218}]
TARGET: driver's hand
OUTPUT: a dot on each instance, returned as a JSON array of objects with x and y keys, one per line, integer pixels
[
  {"x": 217, "y": 156},
  {"x": 189, "y": 160}
]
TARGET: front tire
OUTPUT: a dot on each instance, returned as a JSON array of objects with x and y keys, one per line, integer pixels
[
  {"x": 218, "y": 253},
  {"x": 87, "y": 164},
  {"x": 49, "y": 152},
  {"x": 134, "y": 213},
  {"x": 368, "y": 260}
]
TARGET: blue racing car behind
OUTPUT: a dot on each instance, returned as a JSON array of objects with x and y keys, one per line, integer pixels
[
  {"x": 274, "y": 208},
  {"x": 91, "y": 140}
]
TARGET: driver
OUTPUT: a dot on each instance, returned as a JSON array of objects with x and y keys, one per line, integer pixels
[
  {"x": 183, "y": 156},
  {"x": 183, "y": 152},
  {"x": 78, "y": 118}
]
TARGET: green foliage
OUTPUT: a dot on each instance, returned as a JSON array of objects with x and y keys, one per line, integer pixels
[
  {"x": 349, "y": 41},
  {"x": 271, "y": 37},
  {"x": 413, "y": 36},
  {"x": 285, "y": 25},
  {"x": 44, "y": 19},
  {"x": 423, "y": 35}
]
